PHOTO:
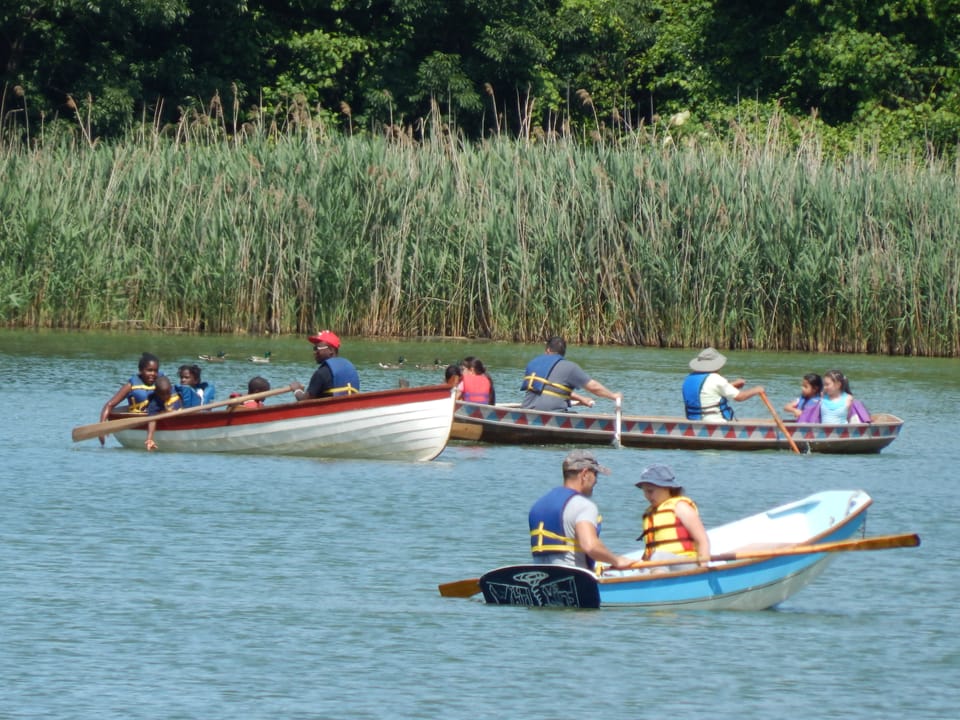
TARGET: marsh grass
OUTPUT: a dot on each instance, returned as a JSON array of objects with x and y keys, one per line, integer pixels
[{"x": 644, "y": 238}]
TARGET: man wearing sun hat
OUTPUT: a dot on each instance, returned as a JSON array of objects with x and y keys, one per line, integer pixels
[
  {"x": 334, "y": 375},
  {"x": 707, "y": 394},
  {"x": 565, "y": 523}
]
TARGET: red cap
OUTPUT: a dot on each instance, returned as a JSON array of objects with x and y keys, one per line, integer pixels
[{"x": 327, "y": 338}]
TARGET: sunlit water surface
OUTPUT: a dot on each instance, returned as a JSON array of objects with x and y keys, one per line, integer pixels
[{"x": 137, "y": 585}]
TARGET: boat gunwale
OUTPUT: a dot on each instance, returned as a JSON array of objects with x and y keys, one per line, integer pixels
[
  {"x": 293, "y": 410},
  {"x": 508, "y": 424},
  {"x": 739, "y": 564}
]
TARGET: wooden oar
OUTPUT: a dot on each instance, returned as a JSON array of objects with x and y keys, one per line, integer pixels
[
  {"x": 779, "y": 421},
  {"x": 85, "y": 432},
  {"x": 471, "y": 586},
  {"x": 617, "y": 423},
  {"x": 880, "y": 542},
  {"x": 460, "y": 588}
]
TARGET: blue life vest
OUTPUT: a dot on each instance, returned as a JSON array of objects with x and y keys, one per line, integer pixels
[
  {"x": 345, "y": 377},
  {"x": 536, "y": 374},
  {"x": 691, "y": 398},
  {"x": 139, "y": 394},
  {"x": 155, "y": 405},
  {"x": 546, "y": 525},
  {"x": 188, "y": 395},
  {"x": 208, "y": 392}
]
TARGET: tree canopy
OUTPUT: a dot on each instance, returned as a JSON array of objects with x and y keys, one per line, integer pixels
[{"x": 883, "y": 67}]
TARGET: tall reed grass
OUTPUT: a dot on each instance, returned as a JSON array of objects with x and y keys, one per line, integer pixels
[{"x": 750, "y": 243}]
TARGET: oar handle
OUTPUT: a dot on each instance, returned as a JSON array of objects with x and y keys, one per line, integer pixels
[
  {"x": 618, "y": 422},
  {"x": 85, "y": 432}
]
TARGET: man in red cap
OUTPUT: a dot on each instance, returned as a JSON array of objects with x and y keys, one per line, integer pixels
[{"x": 334, "y": 376}]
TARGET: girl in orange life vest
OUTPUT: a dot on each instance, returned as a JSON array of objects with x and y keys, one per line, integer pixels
[
  {"x": 671, "y": 524},
  {"x": 257, "y": 384},
  {"x": 476, "y": 385}
]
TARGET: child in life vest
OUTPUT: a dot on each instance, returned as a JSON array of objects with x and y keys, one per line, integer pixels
[
  {"x": 811, "y": 387},
  {"x": 162, "y": 399},
  {"x": 671, "y": 523}
]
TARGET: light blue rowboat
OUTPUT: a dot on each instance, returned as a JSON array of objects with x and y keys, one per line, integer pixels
[{"x": 759, "y": 562}]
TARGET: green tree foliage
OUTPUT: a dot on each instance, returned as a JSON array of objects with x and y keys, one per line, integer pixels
[{"x": 890, "y": 67}]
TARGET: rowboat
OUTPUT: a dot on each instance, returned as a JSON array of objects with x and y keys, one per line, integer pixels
[
  {"x": 410, "y": 424},
  {"x": 512, "y": 425},
  {"x": 757, "y": 563}
]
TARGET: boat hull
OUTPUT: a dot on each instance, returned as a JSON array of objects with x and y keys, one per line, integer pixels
[
  {"x": 519, "y": 426},
  {"x": 737, "y": 585},
  {"x": 410, "y": 424}
]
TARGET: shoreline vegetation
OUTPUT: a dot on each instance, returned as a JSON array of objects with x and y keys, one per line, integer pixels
[{"x": 660, "y": 236}]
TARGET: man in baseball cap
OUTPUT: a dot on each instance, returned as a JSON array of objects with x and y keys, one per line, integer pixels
[
  {"x": 565, "y": 523},
  {"x": 325, "y": 337},
  {"x": 334, "y": 375}
]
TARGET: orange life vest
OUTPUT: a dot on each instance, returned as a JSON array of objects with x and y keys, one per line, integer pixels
[{"x": 662, "y": 529}]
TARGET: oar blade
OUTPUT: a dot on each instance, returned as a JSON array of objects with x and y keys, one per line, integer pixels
[{"x": 460, "y": 588}]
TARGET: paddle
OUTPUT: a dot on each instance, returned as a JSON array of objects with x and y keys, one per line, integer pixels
[
  {"x": 460, "y": 588},
  {"x": 85, "y": 432},
  {"x": 470, "y": 587},
  {"x": 880, "y": 542},
  {"x": 617, "y": 423},
  {"x": 779, "y": 421}
]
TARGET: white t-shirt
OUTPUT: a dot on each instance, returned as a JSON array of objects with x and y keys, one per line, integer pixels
[{"x": 714, "y": 388}]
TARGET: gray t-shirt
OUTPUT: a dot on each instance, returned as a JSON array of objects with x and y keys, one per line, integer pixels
[
  {"x": 577, "y": 509},
  {"x": 564, "y": 372}
]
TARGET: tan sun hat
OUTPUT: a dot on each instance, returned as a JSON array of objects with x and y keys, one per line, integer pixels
[{"x": 709, "y": 360}]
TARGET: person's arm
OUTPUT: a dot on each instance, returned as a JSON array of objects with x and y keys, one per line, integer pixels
[
  {"x": 111, "y": 404},
  {"x": 791, "y": 407},
  {"x": 593, "y": 546},
  {"x": 582, "y": 399},
  {"x": 298, "y": 391},
  {"x": 747, "y": 394},
  {"x": 691, "y": 521},
  {"x": 120, "y": 395},
  {"x": 600, "y": 391},
  {"x": 151, "y": 427}
]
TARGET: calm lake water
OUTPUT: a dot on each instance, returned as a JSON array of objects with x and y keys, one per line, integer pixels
[{"x": 140, "y": 585}]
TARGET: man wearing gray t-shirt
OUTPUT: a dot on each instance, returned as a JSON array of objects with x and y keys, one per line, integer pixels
[
  {"x": 565, "y": 523},
  {"x": 550, "y": 380}
]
